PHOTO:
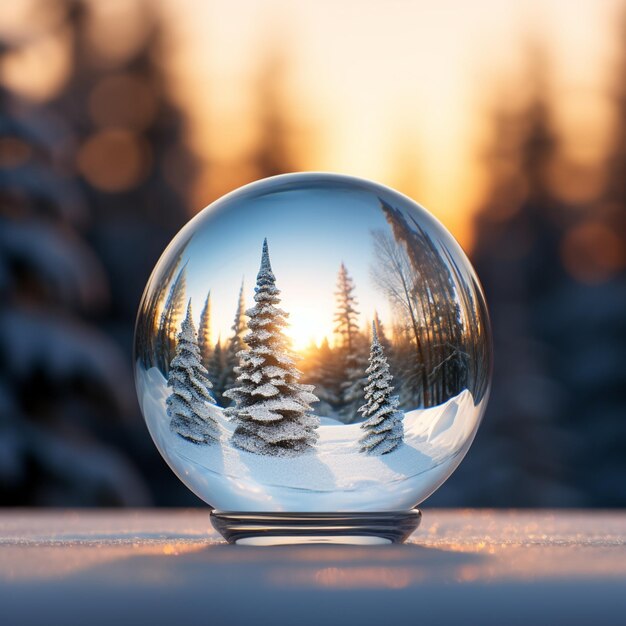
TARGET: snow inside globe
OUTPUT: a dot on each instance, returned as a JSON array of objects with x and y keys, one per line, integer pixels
[{"x": 313, "y": 359}]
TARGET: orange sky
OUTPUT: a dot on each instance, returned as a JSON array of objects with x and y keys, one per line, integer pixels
[
  {"x": 379, "y": 81},
  {"x": 393, "y": 90}
]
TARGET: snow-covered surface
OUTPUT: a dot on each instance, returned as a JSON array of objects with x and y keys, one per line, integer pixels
[
  {"x": 335, "y": 477},
  {"x": 163, "y": 567}
]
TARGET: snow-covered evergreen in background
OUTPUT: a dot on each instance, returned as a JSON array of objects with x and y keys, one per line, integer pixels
[
  {"x": 384, "y": 428},
  {"x": 272, "y": 409},
  {"x": 235, "y": 344},
  {"x": 61, "y": 378},
  {"x": 188, "y": 404},
  {"x": 170, "y": 320},
  {"x": 204, "y": 333}
]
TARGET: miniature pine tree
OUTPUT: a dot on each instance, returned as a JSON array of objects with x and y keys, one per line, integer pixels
[
  {"x": 204, "y": 333},
  {"x": 384, "y": 427},
  {"x": 272, "y": 409},
  {"x": 235, "y": 343},
  {"x": 346, "y": 316},
  {"x": 351, "y": 358},
  {"x": 188, "y": 404}
]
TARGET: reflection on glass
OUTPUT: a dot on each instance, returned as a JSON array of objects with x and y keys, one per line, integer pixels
[{"x": 313, "y": 342}]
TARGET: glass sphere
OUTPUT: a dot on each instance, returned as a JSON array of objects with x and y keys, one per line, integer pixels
[{"x": 313, "y": 342}]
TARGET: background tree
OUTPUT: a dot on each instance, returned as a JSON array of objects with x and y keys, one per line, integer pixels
[
  {"x": 586, "y": 326},
  {"x": 204, "y": 333},
  {"x": 346, "y": 313},
  {"x": 235, "y": 344},
  {"x": 129, "y": 151},
  {"x": 349, "y": 348},
  {"x": 132, "y": 158},
  {"x": 321, "y": 370},
  {"x": 188, "y": 406},
  {"x": 418, "y": 274},
  {"x": 516, "y": 255},
  {"x": 272, "y": 410},
  {"x": 65, "y": 387},
  {"x": 396, "y": 278}
]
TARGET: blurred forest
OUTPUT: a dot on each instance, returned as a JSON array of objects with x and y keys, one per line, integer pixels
[{"x": 96, "y": 179}]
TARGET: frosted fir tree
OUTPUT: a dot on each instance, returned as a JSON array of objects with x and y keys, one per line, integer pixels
[
  {"x": 272, "y": 411},
  {"x": 204, "y": 333},
  {"x": 188, "y": 404},
  {"x": 383, "y": 425},
  {"x": 235, "y": 343}
]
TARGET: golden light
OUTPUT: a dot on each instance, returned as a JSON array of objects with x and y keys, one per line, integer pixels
[
  {"x": 306, "y": 326},
  {"x": 114, "y": 160}
]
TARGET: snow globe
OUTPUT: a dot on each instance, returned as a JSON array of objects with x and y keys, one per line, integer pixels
[{"x": 313, "y": 359}]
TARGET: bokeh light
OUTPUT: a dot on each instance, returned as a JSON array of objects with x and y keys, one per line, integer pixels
[{"x": 114, "y": 160}]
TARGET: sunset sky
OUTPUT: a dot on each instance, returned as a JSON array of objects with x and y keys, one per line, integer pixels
[
  {"x": 310, "y": 233},
  {"x": 311, "y": 228},
  {"x": 395, "y": 90},
  {"x": 398, "y": 91}
]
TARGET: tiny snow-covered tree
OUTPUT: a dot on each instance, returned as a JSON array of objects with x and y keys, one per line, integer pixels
[
  {"x": 204, "y": 333},
  {"x": 272, "y": 409},
  {"x": 188, "y": 404},
  {"x": 383, "y": 425},
  {"x": 235, "y": 343}
]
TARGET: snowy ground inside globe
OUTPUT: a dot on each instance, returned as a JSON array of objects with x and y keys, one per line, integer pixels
[{"x": 336, "y": 476}]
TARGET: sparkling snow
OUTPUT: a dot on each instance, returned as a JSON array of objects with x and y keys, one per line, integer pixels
[{"x": 335, "y": 477}]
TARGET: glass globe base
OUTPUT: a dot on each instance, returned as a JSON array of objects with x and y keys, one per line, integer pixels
[{"x": 271, "y": 529}]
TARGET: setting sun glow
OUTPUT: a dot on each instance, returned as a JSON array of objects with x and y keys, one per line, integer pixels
[{"x": 307, "y": 326}]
